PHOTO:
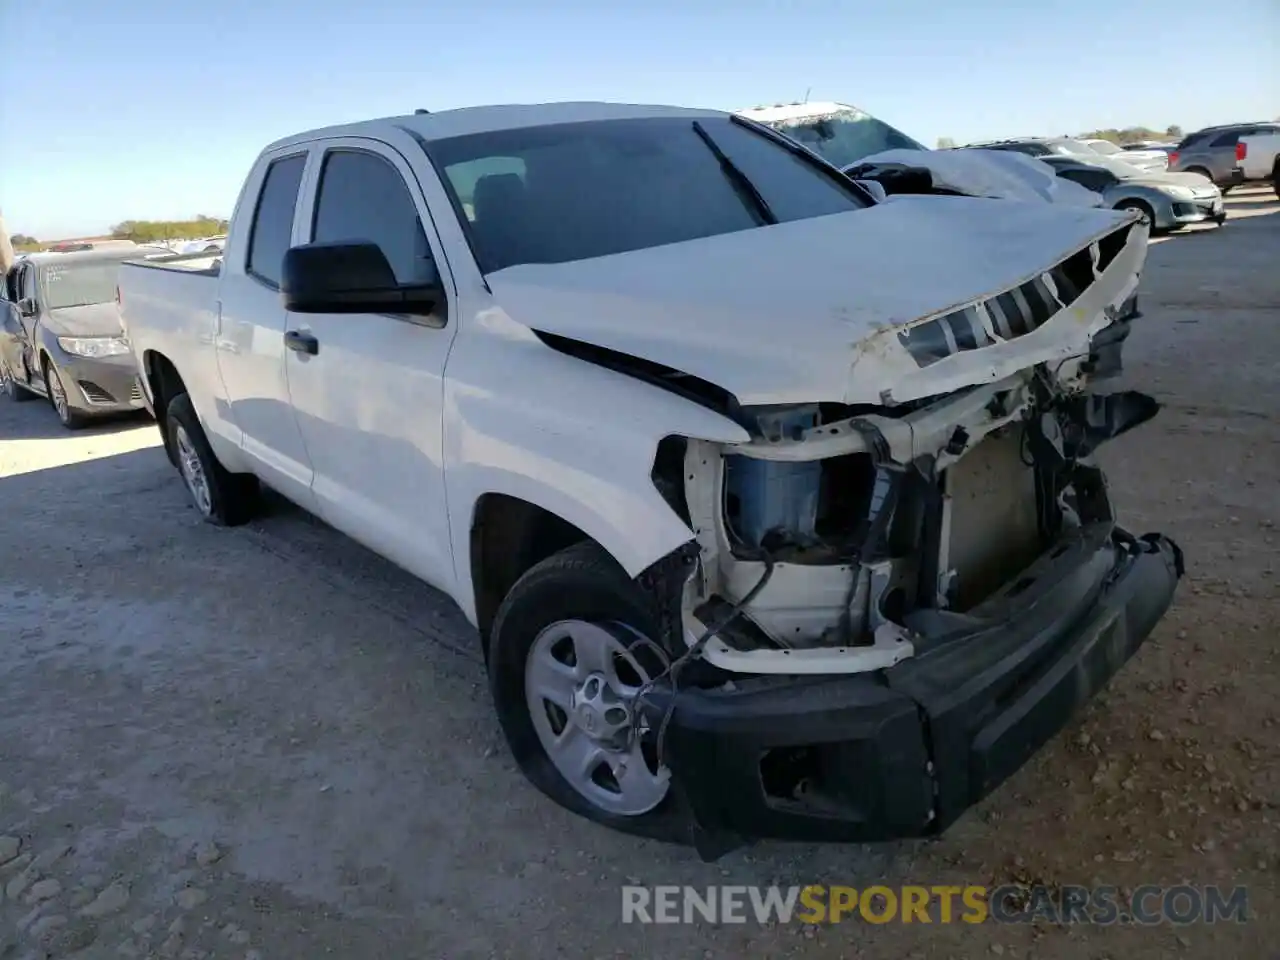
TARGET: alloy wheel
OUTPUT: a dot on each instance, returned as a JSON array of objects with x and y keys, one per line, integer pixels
[
  {"x": 192, "y": 470},
  {"x": 581, "y": 684}
]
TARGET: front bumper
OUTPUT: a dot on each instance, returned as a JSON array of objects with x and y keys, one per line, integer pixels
[
  {"x": 1199, "y": 210},
  {"x": 99, "y": 385},
  {"x": 904, "y": 752}
]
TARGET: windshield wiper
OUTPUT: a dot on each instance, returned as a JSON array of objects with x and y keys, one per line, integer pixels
[{"x": 735, "y": 174}]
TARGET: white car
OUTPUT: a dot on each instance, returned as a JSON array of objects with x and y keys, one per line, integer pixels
[
  {"x": 867, "y": 148},
  {"x": 1259, "y": 155},
  {"x": 1156, "y": 161},
  {"x": 203, "y": 245},
  {"x": 774, "y": 506}
]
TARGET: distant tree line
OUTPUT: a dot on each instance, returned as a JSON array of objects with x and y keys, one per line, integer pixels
[
  {"x": 1127, "y": 135},
  {"x": 142, "y": 231},
  {"x": 1135, "y": 134},
  {"x": 149, "y": 231}
]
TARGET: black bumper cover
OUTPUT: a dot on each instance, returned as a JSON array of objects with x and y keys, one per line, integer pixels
[{"x": 904, "y": 752}]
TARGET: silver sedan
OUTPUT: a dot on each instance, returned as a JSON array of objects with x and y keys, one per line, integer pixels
[{"x": 1167, "y": 201}]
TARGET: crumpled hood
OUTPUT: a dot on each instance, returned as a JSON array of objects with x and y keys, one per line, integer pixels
[
  {"x": 90, "y": 320},
  {"x": 989, "y": 173},
  {"x": 810, "y": 310}
]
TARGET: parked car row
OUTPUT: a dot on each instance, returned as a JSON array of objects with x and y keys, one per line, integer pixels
[
  {"x": 1169, "y": 185},
  {"x": 773, "y": 503}
]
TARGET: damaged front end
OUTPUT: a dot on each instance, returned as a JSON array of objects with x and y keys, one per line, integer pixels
[{"x": 896, "y": 605}]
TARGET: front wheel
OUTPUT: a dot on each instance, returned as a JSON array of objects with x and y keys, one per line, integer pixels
[
  {"x": 58, "y": 398},
  {"x": 568, "y": 657},
  {"x": 1147, "y": 215},
  {"x": 224, "y": 498}
]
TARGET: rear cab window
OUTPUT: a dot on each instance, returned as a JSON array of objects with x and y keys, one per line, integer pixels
[
  {"x": 272, "y": 229},
  {"x": 574, "y": 191}
]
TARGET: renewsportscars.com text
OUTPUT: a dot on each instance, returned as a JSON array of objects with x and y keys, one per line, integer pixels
[{"x": 1014, "y": 903}]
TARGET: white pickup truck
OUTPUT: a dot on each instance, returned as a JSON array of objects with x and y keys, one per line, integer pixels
[
  {"x": 1259, "y": 155},
  {"x": 773, "y": 505}
]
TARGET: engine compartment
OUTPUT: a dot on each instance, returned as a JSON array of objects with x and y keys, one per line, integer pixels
[{"x": 823, "y": 538}]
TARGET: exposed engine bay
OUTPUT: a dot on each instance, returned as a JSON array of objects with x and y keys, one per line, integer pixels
[{"x": 836, "y": 531}]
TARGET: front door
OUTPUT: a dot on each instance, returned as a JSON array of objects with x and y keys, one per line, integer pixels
[
  {"x": 28, "y": 293},
  {"x": 369, "y": 399}
]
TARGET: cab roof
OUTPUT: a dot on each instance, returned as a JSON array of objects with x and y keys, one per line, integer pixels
[{"x": 469, "y": 120}]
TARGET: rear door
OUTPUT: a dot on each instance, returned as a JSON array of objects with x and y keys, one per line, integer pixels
[
  {"x": 369, "y": 400},
  {"x": 251, "y": 323}
]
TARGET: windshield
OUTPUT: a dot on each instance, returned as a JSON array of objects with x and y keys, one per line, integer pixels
[
  {"x": 77, "y": 284},
  {"x": 1075, "y": 148},
  {"x": 573, "y": 191},
  {"x": 1104, "y": 147},
  {"x": 1117, "y": 168},
  {"x": 846, "y": 136},
  {"x": 1125, "y": 171}
]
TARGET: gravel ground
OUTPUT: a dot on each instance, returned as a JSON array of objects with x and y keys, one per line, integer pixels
[{"x": 268, "y": 743}]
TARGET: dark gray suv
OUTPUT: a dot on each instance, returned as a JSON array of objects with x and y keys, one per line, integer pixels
[{"x": 1215, "y": 152}]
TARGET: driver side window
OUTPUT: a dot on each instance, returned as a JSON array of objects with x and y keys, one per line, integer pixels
[
  {"x": 362, "y": 197},
  {"x": 1095, "y": 180}
]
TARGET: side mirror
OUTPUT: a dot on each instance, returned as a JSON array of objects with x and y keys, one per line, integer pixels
[
  {"x": 345, "y": 277},
  {"x": 875, "y": 188},
  {"x": 27, "y": 307}
]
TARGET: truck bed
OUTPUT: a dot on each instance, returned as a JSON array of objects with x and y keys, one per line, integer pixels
[{"x": 170, "y": 299}]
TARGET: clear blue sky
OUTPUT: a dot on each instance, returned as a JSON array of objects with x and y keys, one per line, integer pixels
[{"x": 155, "y": 109}]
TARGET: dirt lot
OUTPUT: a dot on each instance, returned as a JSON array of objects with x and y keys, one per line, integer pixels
[{"x": 268, "y": 743}]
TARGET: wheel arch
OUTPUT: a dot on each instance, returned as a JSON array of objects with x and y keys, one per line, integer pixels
[
  {"x": 509, "y": 535},
  {"x": 163, "y": 383}
]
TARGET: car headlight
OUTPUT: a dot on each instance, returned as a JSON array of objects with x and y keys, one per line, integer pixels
[
  {"x": 1180, "y": 193},
  {"x": 94, "y": 347}
]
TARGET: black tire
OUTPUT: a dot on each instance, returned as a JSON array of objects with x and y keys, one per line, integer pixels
[
  {"x": 581, "y": 582},
  {"x": 11, "y": 388},
  {"x": 232, "y": 497},
  {"x": 53, "y": 385}
]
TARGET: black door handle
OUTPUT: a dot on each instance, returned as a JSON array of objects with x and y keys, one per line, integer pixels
[{"x": 301, "y": 342}]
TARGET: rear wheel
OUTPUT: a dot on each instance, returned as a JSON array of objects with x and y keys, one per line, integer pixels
[
  {"x": 227, "y": 499},
  {"x": 568, "y": 656}
]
